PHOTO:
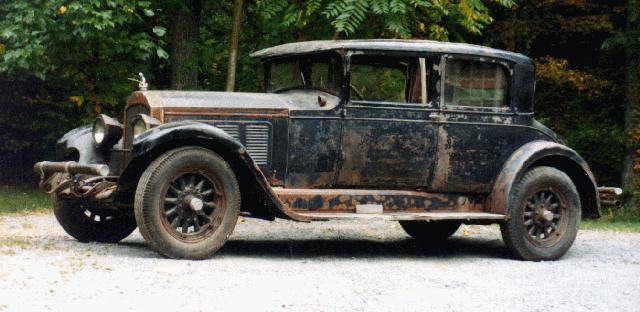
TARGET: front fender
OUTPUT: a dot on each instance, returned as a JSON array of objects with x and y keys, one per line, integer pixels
[
  {"x": 545, "y": 153},
  {"x": 183, "y": 131},
  {"x": 151, "y": 144},
  {"x": 79, "y": 140}
]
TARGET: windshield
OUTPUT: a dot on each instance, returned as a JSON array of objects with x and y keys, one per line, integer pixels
[{"x": 304, "y": 73}]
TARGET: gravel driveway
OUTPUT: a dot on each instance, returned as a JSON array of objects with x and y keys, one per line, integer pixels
[{"x": 329, "y": 266}]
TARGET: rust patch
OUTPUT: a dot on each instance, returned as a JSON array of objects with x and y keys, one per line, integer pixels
[{"x": 346, "y": 200}]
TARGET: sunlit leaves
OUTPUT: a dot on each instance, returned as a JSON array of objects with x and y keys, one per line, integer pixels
[
  {"x": 90, "y": 47},
  {"x": 162, "y": 53},
  {"x": 159, "y": 31},
  {"x": 432, "y": 19}
]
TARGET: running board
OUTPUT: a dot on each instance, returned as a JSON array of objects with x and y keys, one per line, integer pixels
[
  {"x": 399, "y": 216},
  {"x": 360, "y": 201}
]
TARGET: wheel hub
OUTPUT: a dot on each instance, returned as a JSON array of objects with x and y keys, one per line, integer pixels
[
  {"x": 191, "y": 206},
  {"x": 194, "y": 203},
  {"x": 543, "y": 216}
]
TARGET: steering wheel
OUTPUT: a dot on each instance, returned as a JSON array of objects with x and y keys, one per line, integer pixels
[{"x": 357, "y": 93}]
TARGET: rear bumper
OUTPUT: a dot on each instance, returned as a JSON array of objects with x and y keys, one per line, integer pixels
[{"x": 609, "y": 196}]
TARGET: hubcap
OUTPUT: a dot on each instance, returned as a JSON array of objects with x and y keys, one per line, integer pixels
[
  {"x": 195, "y": 203},
  {"x": 193, "y": 206},
  {"x": 543, "y": 218}
]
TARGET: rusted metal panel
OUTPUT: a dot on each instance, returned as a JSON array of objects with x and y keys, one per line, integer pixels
[
  {"x": 470, "y": 154},
  {"x": 346, "y": 200},
  {"x": 386, "y": 146},
  {"x": 314, "y": 152}
]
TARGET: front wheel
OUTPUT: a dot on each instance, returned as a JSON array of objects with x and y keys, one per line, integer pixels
[
  {"x": 544, "y": 215},
  {"x": 187, "y": 203},
  {"x": 87, "y": 223}
]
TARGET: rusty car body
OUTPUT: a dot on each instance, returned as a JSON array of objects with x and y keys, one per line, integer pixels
[{"x": 428, "y": 133}]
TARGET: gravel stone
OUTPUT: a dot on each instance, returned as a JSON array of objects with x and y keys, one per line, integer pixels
[{"x": 324, "y": 266}]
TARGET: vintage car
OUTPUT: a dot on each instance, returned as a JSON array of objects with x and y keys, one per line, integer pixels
[{"x": 430, "y": 134}]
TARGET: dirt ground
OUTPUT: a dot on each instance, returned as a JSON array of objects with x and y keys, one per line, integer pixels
[{"x": 329, "y": 266}]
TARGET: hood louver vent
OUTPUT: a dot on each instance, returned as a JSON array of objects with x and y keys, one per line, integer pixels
[{"x": 256, "y": 137}]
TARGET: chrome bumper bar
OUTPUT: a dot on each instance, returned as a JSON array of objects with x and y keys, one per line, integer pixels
[
  {"x": 609, "y": 196},
  {"x": 72, "y": 167}
]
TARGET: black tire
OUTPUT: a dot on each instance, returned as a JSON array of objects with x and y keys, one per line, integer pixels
[
  {"x": 430, "y": 232},
  {"x": 544, "y": 215},
  {"x": 84, "y": 222},
  {"x": 167, "y": 220}
]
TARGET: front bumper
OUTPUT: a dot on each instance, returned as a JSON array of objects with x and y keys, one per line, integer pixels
[
  {"x": 70, "y": 167},
  {"x": 77, "y": 181}
]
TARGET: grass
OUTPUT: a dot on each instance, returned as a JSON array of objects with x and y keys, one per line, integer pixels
[
  {"x": 18, "y": 199},
  {"x": 625, "y": 218}
]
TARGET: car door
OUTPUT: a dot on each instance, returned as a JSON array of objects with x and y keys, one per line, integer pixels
[
  {"x": 388, "y": 140},
  {"x": 315, "y": 123}
]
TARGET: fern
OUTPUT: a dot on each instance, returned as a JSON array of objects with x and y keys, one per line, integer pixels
[
  {"x": 347, "y": 15},
  {"x": 400, "y": 18}
]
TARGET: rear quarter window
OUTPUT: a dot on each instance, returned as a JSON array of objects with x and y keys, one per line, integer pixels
[{"x": 477, "y": 84}]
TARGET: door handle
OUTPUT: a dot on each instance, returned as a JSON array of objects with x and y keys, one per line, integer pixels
[{"x": 435, "y": 116}]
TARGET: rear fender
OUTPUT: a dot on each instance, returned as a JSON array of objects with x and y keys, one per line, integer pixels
[{"x": 545, "y": 153}]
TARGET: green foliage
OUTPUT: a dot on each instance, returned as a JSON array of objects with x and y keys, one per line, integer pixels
[
  {"x": 89, "y": 47},
  {"x": 434, "y": 19},
  {"x": 625, "y": 218},
  {"x": 580, "y": 86},
  {"x": 63, "y": 61},
  {"x": 17, "y": 200}
]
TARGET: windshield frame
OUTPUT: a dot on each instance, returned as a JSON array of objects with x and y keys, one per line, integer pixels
[{"x": 338, "y": 73}]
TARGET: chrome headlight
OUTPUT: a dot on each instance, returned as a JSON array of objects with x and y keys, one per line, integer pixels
[
  {"x": 106, "y": 131},
  {"x": 142, "y": 123}
]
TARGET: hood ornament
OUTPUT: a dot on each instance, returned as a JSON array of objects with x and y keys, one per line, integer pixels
[{"x": 142, "y": 82}]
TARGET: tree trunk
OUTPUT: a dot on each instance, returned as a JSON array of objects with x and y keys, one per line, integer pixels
[
  {"x": 184, "y": 35},
  {"x": 632, "y": 107},
  {"x": 233, "y": 46}
]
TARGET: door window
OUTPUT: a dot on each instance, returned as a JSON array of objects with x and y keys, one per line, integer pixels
[
  {"x": 388, "y": 79},
  {"x": 473, "y": 83},
  {"x": 321, "y": 73},
  {"x": 371, "y": 82}
]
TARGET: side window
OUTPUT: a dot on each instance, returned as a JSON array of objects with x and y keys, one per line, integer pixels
[
  {"x": 473, "y": 83},
  {"x": 378, "y": 82}
]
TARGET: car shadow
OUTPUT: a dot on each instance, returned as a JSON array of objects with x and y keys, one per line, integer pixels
[
  {"x": 363, "y": 248},
  {"x": 456, "y": 247}
]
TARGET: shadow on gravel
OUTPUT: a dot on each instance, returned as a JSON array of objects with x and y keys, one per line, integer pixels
[
  {"x": 456, "y": 247},
  {"x": 359, "y": 248}
]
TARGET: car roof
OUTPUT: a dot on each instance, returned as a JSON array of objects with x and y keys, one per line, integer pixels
[{"x": 397, "y": 45}]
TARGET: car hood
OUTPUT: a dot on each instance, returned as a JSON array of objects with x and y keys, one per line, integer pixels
[{"x": 178, "y": 100}]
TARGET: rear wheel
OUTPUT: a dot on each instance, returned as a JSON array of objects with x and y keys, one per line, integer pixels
[
  {"x": 544, "y": 215},
  {"x": 187, "y": 203},
  {"x": 431, "y": 232}
]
